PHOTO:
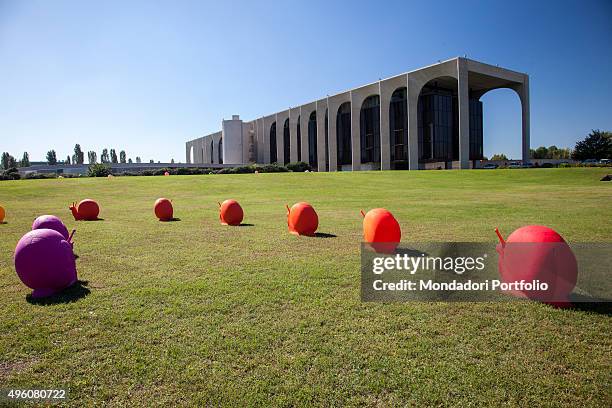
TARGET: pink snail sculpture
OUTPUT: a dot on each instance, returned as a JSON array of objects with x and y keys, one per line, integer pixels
[{"x": 44, "y": 262}]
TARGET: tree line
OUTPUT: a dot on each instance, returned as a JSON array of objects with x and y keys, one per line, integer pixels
[
  {"x": 78, "y": 157},
  {"x": 596, "y": 145}
]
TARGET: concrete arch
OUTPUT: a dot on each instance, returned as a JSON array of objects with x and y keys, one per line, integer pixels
[
  {"x": 333, "y": 104},
  {"x": 311, "y": 140},
  {"x": 281, "y": 117},
  {"x": 273, "y": 138},
  {"x": 517, "y": 91},
  {"x": 286, "y": 142},
  {"x": 369, "y": 131},
  {"x": 344, "y": 135},
  {"x": 398, "y": 127}
]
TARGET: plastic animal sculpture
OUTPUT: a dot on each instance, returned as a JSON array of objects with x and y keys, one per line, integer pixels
[
  {"x": 166, "y": 173},
  {"x": 536, "y": 252},
  {"x": 44, "y": 262},
  {"x": 381, "y": 230},
  {"x": 87, "y": 210},
  {"x": 302, "y": 219},
  {"x": 2, "y": 214},
  {"x": 163, "y": 209},
  {"x": 230, "y": 212}
]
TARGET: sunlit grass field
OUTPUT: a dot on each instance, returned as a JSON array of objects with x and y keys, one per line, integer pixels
[{"x": 195, "y": 313}]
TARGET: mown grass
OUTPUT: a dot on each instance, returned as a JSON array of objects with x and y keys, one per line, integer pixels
[{"x": 195, "y": 313}]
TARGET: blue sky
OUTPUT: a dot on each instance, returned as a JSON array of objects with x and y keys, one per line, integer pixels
[{"x": 147, "y": 76}]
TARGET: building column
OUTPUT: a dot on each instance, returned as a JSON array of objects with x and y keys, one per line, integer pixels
[
  {"x": 305, "y": 148},
  {"x": 412, "y": 97},
  {"x": 385, "y": 137},
  {"x": 188, "y": 152},
  {"x": 355, "y": 133},
  {"x": 463, "y": 97},
  {"x": 524, "y": 95},
  {"x": 293, "y": 117}
]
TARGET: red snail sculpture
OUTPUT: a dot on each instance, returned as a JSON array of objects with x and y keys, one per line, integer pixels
[
  {"x": 381, "y": 230},
  {"x": 302, "y": 219},
  {"x": 87, "y": 210},
  {"x": 538, "y": 253},
  {"x": 230, "y": 212}
]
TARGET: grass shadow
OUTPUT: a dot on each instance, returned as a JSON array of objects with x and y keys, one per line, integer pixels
[
  {"x": 71, "y": 294},
  {"x": 171, "y": 220},
  {"x": 246, "y": 225},
  {"x": 587, "y": 303},
  {"x": 3, "y": 222},
  {"x": 324, "y": 235}
]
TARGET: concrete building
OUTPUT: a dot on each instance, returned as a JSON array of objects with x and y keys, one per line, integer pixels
[{"x": 427, "y": 118}]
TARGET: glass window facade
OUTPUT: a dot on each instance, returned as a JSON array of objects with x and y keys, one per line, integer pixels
[
  {"x": 398, "y": 128},
  {"x": 220, "y": 151},
  {"x": 286, "y": 142},
  {"x": 476, "y": 152},
  {"x": 299, "y": 140},
  {"x": 343, "y": 134},
  {"x": 436, "y": 125},
  {"x": 369, "y": 120},
  {"x": 273, "y": 154},
  {"x": 312, "y": 140},
  {"x": 438, "y": 113},
  {"x": 212, "y": 150}
]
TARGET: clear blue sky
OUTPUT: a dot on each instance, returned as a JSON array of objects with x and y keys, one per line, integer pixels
[{"x": 147, "y": 76}]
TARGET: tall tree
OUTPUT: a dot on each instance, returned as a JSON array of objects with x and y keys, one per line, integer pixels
[
  {"x": 113, "y": 155},
  {"x": 6, "y": 160},
  {"x": 78, "y": 155},
  {"x": 122, "y": 157},
  {"x": 51, "y": 157},
  {"x": 104, "y": 156},
  {"x": 597, "y": 145},
  {"x": 138, "y": 159},
  {"x": 130, "y": 161},
  {"x": 92, "y": 157},
  {"x": 68, "y": 159},
  {"x": 25, "y": 160},
  {"x": 171, "y": 160}
]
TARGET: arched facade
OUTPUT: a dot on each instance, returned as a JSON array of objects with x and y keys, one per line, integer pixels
[
  {"x": 273, "y": 155},
  {"x": 398, "y": 129},
  {"x": 343, "y": 135},
  {"x": 425, "y": 117},
  {"x": 286, "y": 142},
  {"x": 299, "y": 139},
  {"x": 369, "y": 129},
  {"x": 312, "y": 140}
]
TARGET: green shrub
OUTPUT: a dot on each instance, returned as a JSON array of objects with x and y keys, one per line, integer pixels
[
  {"x": 271, "y": 168},
  {"x": 564, "y": 165},
  {"x": 298, "y": 167},
  {"x": 98, "y": 170},
  {"x": 10, "y": 174}
]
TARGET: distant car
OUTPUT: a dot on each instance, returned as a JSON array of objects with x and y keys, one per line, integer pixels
[
  {"x": 605, "y": 161},
  {"x": 589, "y": 161},
  {"x": 514, "y": 165},
  {"x": 527, "y": 165},
  {"x": 489, "y": 166}
]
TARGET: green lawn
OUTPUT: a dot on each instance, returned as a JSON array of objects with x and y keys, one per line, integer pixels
[{"x": 196, "y": 313}]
